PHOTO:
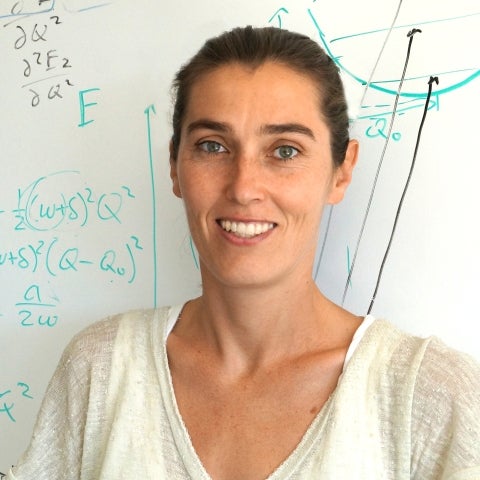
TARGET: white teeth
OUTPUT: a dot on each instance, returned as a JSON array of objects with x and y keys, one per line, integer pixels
[{"x": 246, "y": 230}]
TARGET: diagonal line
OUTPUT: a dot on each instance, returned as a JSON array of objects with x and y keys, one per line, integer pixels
[{"x": 380, "y": 163}]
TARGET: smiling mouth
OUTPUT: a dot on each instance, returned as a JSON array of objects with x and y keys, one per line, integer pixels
[{"x": 246, "y": 229}]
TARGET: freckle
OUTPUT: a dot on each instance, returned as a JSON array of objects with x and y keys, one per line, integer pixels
[{"x": 313, "y": 410}]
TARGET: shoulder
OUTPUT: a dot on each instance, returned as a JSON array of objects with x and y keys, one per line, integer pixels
[
  {"x": 387, "y": 351},
  {"x": 442, "y": 361},
  {"x": 95, "y": 343},
  {"x": 446, "y": 408},
  {"x": 431, "y": 363},
  {"x": 432, "y": 391},
  {"x": 418, "y": 370},
  {"x": 449, "y": 379},
  {"x": 439, "y": 392},
  {"x": 447, "y": 382},
  {"x": 447, "y": 388}
]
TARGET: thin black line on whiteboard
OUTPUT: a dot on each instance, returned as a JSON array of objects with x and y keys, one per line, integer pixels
[
  {"x": 410, "y": 36},
  {"x": 400, "y": 204}
]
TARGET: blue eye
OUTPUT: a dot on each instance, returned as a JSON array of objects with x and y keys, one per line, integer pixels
[
  {"x": 209, "y": 146},
  {"x": 286, "y": 152}
]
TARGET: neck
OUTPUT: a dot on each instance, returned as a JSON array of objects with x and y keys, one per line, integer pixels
[{"x": 252, "y": 326}]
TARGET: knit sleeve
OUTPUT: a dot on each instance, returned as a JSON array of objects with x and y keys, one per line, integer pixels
[
  {"x": 70, "y": 409},
  {"x": 446, "y": 416}
]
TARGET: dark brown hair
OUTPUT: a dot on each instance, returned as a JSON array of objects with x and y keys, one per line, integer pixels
[{"x": 253, "y": 47}]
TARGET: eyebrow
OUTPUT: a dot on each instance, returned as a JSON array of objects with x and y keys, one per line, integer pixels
[
  {"x": 207, "y": 124},
  {"x": 274, "y": 129},
  {"x": 269, "y": 129}
]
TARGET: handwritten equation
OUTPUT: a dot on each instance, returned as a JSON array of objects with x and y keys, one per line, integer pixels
[
  {"x": 9, "y": 397},
  {"x": 49, "y": 211},
  {"x": 44, "y": 67},
  {"x": 36, "y": 210}
]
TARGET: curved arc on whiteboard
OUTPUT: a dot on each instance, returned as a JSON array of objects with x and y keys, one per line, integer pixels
[{"x": 408, "y": 94}]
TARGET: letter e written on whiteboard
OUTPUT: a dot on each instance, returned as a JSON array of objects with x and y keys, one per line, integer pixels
[{"x": 84, "y": 106}]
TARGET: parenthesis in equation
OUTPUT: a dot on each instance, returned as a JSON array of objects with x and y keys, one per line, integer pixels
[
  {"x": 134, "y": 267},
  {"x": 47, "y": 260},
  {"x": 35, "y": 256}
]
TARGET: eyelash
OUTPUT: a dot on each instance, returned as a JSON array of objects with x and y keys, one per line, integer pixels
[
  {"x": 204, "y": 147},
  {"x": 206, "y": 144},
  {"x": 294, "y": 153}
]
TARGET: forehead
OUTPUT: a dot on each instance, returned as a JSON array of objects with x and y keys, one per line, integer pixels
[{"x": 271, "y": 89}]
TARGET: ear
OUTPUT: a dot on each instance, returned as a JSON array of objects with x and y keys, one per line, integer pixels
[
  {"x": 343, "y": 173},
  {"x": 173, "y": 173}
]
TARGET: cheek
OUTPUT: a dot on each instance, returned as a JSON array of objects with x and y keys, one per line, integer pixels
[
  {"x": 196, "y": 192},
  {"x": 312, "y": 195},
  {"x": 187, "y": 181},
  {"x": 310, "y": 204}
]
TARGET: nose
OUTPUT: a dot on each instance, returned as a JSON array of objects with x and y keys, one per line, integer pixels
[{"x": 246, "y": 181}]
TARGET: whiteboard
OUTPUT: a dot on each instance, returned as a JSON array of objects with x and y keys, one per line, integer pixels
[{"x": 89, "y": 226}]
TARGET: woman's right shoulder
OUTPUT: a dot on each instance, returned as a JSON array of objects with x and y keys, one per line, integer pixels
[{"x": 97, "y": 340}]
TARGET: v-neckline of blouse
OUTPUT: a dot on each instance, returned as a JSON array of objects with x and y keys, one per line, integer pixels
[{"x": 192, "y": 461}]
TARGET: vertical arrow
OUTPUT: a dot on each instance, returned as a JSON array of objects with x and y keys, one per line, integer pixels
[
  {"x": 151, "y": 109},
  {"x": 278, "y": 16}
]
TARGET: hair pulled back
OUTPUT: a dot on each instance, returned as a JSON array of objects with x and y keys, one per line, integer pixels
[{"x": 255, "y": 46}]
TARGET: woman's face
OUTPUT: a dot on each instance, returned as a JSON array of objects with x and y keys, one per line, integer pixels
[{"x": 254, "y": 170}]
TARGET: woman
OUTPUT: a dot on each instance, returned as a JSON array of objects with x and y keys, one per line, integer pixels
[{"x": 261, "y": 376}]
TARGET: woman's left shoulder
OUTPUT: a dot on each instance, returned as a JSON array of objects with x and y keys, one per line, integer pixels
[
  {"x": 445, "y": 415},
  {"x": 429, "y": 359},
  {"x": 455, "y": 373}
]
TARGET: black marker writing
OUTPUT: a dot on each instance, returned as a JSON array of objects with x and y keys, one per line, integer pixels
[
  {"x": 397, "y": 215},
  {"x": 382, "y": 156}
]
